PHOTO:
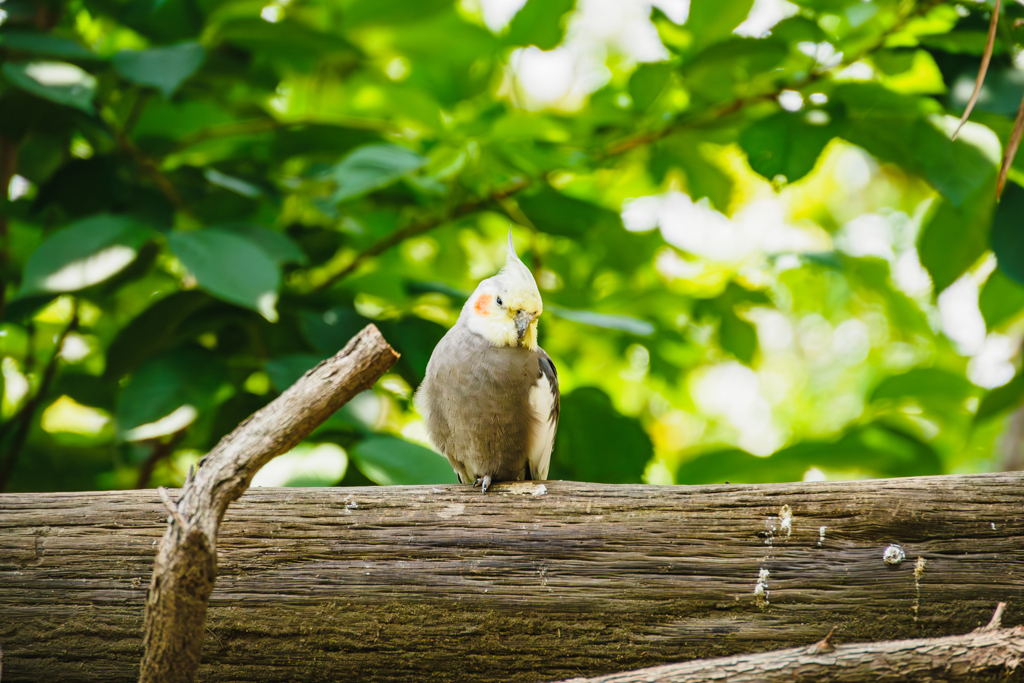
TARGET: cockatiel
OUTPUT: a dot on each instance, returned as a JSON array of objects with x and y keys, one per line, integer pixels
[{"x": 490, "y": 396}]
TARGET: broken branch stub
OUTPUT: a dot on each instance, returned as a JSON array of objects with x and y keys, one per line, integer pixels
[{"x": 186, "y": 562}]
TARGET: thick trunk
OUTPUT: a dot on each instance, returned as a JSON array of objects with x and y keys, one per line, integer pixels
[{"x": 410, "y": 583}]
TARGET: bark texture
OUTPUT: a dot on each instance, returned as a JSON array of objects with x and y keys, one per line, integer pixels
[
  {"x": 186, "y": 561},
  {"x": 987, "y": 654},
  {"x": 524, "y": 584}
]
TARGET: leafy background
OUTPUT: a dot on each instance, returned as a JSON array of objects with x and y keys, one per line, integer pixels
[{"x": 763, "y": 256}]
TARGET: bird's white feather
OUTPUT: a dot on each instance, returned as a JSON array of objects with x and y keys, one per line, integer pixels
[{"x": 542, "y": 402}]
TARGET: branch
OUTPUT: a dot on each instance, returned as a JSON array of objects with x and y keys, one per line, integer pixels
[
  {"x": 423, "y": 226},
  {"x": 988, "y": 653},
  {"x": 186, "y": 562},
  {"x": 161, "y": 449},
  {"x": 23, "y": 419},
  {"x": 8, "y": 167}
]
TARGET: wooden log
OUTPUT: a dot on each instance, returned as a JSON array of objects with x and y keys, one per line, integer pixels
[
  {"x": 986, "y": 654},
  {"x": 528, "y": 583}
]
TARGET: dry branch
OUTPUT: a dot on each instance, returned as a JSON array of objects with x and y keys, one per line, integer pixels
[
  {"x": 989, "y": 653},
  {"x": 440, "y": 583},
  {"x": 186, "y": 562}
]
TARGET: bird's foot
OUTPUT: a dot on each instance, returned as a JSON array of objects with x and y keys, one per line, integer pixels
[{"x": 483, "y": 483}]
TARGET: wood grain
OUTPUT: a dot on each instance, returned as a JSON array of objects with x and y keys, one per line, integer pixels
[{"x": 443, "y": 584}]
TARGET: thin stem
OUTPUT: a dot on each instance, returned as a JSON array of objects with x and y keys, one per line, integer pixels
[
  {"x": 26, "y": 415},
  {"x": 421, "y": 227},
  {"x": 8, "y": 167},
  {"x": 161, "y": 450}
]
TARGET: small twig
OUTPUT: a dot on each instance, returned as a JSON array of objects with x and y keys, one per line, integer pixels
[
  {"x": 25, "y": 416},
  {"x": 161, "y": 449},
  {"x": 172, "y": 508},
  {"x": 8, "y": 167},
  {"x": 983, "y": 69},
  {"x": 996, "y": 622},
  {"x": 825, "y": 644},
  {"x": 145, "y": 164},
  {"x": 269, "y": 125},
  {"x": 133, "y": 116},
  {"x": 1011, "y": 150}
]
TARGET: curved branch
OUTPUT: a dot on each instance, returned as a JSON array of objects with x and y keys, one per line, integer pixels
[{"x": 186, "y": 562}]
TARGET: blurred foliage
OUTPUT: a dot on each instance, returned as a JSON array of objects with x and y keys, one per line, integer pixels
[{"x": 754, "y": 237}]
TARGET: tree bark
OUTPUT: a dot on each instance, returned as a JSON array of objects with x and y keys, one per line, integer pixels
[
  {"x": 987, "y": 654},
  {"x": 524, "y": 584},
  {"x": 186, "y": 561}
]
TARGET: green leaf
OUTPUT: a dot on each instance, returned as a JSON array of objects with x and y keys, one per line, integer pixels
[
  {"x": 390, "y": 461},
  {"x": 736, "y": 67},
  {"x": 284, "y": 371},
  {"x": 738, "y": 337},
  {"x": 230, "y": 268},
  {"x": 178, "y": 386},
  {"x": 1008, "y": 233},
  {"x": 712, "y": 20},
  {"x": 589, "y": 426},
  {"x": 1001, "y": 399},
  {"x": 893, "y": 127},
  {"x": 372, "y": 167},
  {"x": 1001, "y": 299},
  {"x": 57, "y": 82},
  {"x": 163, "y": 68},
  {"x": 286, "y": 41},
  {"x": 391, "y": 12},
  {"x": 152, "y": 331},
  {"x": 84, "y": 254},
  {"x": 952, "y": 239},
  {"x": 45, "y": 44},
  {"x": 607, "y": 321},
  {"x": 540, "y": 23},
  {"x": 559, "y": 214},
  {"x": 924, "y": 385},
  {"x": 647, "y": 82},
  {"x": 277, "y": 245},
  {"x": 705, "y": 177},
  {"x": 785, "y": 144}
]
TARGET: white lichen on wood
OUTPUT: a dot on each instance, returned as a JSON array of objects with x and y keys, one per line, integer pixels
[
  {"x": 786, "y": 520},
  {"x": 761, "y": 590},
  {"x": 918, "y": 573},
  {"x": 893, "y": 555},
  {"x": 821, "y": 535}
]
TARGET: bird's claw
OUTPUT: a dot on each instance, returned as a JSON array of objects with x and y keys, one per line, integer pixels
[{"x": 483, "y": 483}]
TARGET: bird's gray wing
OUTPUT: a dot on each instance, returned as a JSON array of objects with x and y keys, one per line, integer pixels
[{"x": 544, "y": 405}]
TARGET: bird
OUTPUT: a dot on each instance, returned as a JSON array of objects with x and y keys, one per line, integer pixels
[{"x": 490, "y": 396}]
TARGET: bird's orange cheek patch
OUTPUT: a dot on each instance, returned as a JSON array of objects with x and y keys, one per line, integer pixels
[{"x": 482, "y": 302}]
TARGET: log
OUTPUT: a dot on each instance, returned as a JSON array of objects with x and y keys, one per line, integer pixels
[
  {"x": 532, "y": 582},
  {"x": 987, "y": 654},
  {"x": 186, "y": 560}
]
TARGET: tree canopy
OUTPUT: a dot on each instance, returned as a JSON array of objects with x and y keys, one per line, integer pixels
[{"x": 752, "y": 226}]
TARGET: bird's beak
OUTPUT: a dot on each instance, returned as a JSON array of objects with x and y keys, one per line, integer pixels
[{"x": 523, "y": 320}]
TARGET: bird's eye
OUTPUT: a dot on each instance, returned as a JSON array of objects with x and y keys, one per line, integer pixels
[{"x": 499, "y": 301}]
